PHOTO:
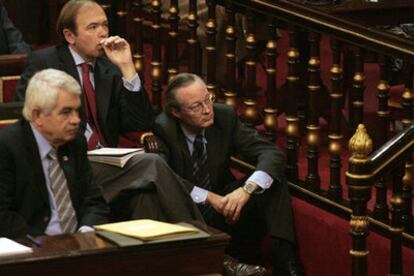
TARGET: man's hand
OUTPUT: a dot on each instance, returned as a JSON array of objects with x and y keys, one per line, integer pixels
[
  {"x": 118, "y": 52},
  {"x": 216, "y": 201},
  {"x": 234, "y": 202}
]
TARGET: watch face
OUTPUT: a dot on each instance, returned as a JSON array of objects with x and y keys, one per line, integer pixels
[{"x": 249, "y": 187}]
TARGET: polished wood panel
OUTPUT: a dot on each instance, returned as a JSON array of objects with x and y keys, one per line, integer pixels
[{"x": 86, "y": 253}]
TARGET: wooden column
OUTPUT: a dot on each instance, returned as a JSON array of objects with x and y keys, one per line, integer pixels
[
  {"x": 408, "y": 179},
  {"x": 194, "y": 65},
  {"x": 335, "y": 134},
  {"x": 172, "y": 48},
  {"x": 356, "y": 112},
  {"x": 292, "y": 120},
  {"x": 381, "y": 207},
  {"x": 138, "y": 55},
  {"x": 313, "y": 128},
  {"x": 270, "y": 112},
  {"x": 360, "y": 145},
  {"x": 156, "y": 55},
  {"x": 230, "y": 87},
  {"x": 250, "y": 114},
  {"x": 211, "y": 31}
]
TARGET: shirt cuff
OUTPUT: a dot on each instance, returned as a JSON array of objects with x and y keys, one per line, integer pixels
[
  {"x": 199, "y": 195},
  {"x": 133, "y": 85},
  {"x": 262, "y": 179},
  {"x": 85, "y": 229}
]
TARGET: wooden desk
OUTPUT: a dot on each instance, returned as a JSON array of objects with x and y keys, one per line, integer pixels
[{"x": 87, "y": 254}]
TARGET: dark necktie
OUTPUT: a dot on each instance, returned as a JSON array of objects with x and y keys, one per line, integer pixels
[
  {"x": 61, "y": 193},
  {"x": 201, "y": 174},
  {"x": 90, "y": 106}
]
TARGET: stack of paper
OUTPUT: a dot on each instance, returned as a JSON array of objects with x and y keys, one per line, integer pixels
[
  {"x": 113, "y": 156},
  {"x": 147, "y": 229},
  {"x": 10, "y": 247}
]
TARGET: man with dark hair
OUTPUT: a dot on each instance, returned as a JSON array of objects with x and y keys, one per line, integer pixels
[
  {"x": 11, "y": 39},
  {"x": 46, "y": 184},
  {"x": 114, "y": 102},
  {"x": 197, "y": 140}
]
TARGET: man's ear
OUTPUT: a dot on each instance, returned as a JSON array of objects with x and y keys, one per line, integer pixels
[
  {"x": 175, "y": 113},
  {"x": 36, "y": 116},
  {"x": 69, "y": 36}
]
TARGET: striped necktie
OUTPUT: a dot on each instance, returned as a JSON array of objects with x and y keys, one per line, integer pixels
[
  {"x": 60, "y": 190},
  {"x": 201, "y": 174}
]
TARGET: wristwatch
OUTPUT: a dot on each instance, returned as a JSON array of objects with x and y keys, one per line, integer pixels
[{"x": 249, "y": 187}]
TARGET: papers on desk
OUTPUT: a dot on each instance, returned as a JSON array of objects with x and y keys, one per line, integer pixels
[
  {"x": 113, "y": 156},
  {"x": 9, "y": 247},
  {"x": 147, "y": 229}
]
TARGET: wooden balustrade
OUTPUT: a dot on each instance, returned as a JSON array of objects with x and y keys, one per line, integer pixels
[{"x": 298, "y": 99}]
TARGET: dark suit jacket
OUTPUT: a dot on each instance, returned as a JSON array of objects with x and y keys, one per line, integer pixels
[
  {"x": 225, "y": 138},
  {"x": 24, "y": 201},
  {"x": 118, "y": 109},
  {"x": 11, "y": 39}
]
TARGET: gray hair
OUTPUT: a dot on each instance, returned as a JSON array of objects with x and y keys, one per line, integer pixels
[
  {"x": 43, "y": 90},
  {"x": 67, "y": 17},
  {"x": 179, "y": 81}
]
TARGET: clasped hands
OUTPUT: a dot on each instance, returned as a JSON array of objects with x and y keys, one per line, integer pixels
[{"x": 230, "y": 205}]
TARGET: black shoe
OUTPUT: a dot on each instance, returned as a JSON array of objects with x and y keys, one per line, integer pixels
[
  {"x": 233, "y": 267},
  {"x": 291, "y": 269}
]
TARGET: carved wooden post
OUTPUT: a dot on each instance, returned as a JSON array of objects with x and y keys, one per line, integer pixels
[
  {"x": 122, "y": 19},
  {"x": 193, "y": 43},
  {"x": 172, "y": 47},
  {"x": 292, "y": 120},
  {"x": 335, "y": 134},
  {"x": 313, "y": 128},
  {"x": 381, "y": 208},
  {"x": 230, "y": 88},
  {"x": 250, "y": 114},
  {"x": 139, "y": 38},
  {"x": 270, "y": 112},
  {"x": 408, "y": 179},
  {"x": 359, "y": 192},
  {"x": 156, "y": 55},
  {"x": 396, "y": 228},
  {"x": 356, "y": 112},
  {"x": 211, "y": 31}
]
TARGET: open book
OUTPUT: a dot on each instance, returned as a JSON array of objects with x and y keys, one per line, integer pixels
[
  {"x": 9, "y": 247},
  {"x": 147, "y": 229},
  {"x": 114, "y": 156}
]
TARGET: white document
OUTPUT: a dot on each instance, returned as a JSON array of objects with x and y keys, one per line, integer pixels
[{"x": 10, "y": 247}]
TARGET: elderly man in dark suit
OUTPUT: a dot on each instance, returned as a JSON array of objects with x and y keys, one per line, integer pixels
[
  {"x": 11, "y": 39},
  {"x": 114, "y": 102},
  {"x": 46, "y": 184},
  {"x": 197, "y": 140}
]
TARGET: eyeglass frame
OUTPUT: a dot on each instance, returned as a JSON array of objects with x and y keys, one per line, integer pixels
[{"x": 197, "y": 107}]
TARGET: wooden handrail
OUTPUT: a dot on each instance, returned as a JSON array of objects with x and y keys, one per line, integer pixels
[{"x": 12, "y": 65}]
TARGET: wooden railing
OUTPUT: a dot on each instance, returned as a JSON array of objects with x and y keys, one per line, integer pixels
[{"x": 352, "y": 44}]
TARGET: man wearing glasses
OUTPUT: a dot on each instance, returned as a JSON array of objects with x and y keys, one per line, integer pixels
[{"x": 197, "y": 139}]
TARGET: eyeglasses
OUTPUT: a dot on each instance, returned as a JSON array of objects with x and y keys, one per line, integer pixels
[{"x": 197, "y": 107}]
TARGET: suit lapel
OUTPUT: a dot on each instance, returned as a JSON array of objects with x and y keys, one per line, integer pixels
[
  {"x": 32, "y": 152},
  {"x": 213, "y": 136},
  {"x": 67, "y": 64},
  {"x": 103, "y": 86}
]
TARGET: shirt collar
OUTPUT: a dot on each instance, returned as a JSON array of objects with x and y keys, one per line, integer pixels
[
  {"x": 78, "y": 59},
  {"x": 43, "y": 145},
  {"x": 190, "y": 137}
]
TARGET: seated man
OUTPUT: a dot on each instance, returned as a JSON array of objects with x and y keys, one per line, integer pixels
[
  {"x": 197, "y": 139},
  {"x": 46, "y": 184},
  {"x": 114, "y": 102},
  {"x": 11, "y": 39}
]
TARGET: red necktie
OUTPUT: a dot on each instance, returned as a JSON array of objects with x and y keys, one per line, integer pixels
[{"x": 90, "y": 104}]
